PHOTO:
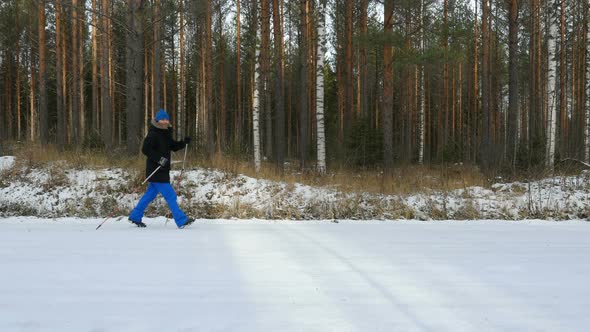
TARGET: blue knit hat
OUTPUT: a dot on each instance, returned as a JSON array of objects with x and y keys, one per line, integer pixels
[{"x": 162, "y": 115}]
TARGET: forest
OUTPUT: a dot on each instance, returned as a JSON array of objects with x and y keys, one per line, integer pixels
[{"x": 360, "y": 84}]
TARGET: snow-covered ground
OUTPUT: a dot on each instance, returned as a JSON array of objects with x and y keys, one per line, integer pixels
[
  {"x": 55, "y": 191},
  {"x": 222, "y": 275}
]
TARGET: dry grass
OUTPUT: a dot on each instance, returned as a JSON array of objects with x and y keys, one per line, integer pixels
[
  {"x": 403, "y": 180},
  {"x": 35, "y": 155},
  {"x": 406, "y": 179}
]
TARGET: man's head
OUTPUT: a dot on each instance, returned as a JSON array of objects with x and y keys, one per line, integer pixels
[{"x": 162, "y": 117}]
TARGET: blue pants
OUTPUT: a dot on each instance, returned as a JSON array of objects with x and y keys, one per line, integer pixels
[{"x": 169, "y": 195}]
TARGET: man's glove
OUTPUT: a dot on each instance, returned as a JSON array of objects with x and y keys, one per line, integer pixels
[
  {"x": 187, "y": 140},
  {"x": 163, "y": 162}
]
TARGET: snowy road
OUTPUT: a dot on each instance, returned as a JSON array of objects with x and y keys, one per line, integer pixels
[{"x": 294, "y": 276}]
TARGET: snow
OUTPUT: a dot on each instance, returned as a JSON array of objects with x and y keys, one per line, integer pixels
[
  {"x": 252, "y": 275},
  {"x": 56, "y": 191},
  {"x": 6, "y": 162}
]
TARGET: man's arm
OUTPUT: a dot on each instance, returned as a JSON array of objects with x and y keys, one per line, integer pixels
[{"x": 149, "y": 150}]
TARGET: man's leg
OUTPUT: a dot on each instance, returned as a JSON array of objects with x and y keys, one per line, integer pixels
[
  {"x": 150, "y": 194},
  {"x": 170, "y": 196}
]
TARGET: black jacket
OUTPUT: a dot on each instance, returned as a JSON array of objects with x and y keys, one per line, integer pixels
[{"x": 158, "y": 143}]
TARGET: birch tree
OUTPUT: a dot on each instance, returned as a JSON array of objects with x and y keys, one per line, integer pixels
[
  {"x": 321, "y": 139},
  {"x": 551, "y": 90},
  {"x": 256, "y": 102},
  {"x": 422, "y": 95}
]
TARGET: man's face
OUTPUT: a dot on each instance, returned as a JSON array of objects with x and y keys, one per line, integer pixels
[{"x": 164, "y": 122}]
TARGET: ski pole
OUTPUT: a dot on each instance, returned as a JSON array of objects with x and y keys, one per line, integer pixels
[
  {"x": 107, "y": 218},
  {"x": 183, "y": 161},
  {"x": 113, "y": 213},
  {"x": 154, "y": 172}
]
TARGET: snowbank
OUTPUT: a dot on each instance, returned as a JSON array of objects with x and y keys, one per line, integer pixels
[{"x": 52, "y": 191}]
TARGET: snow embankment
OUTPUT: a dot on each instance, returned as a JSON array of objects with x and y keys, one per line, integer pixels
[{"x": 53, "y": 190}]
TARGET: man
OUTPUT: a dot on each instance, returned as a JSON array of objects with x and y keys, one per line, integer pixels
[{"x": 157, "y": 146}]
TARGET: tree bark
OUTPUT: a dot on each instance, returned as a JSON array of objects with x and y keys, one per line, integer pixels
[
  {"x": 348, "y": 61},
  {"x": 210, "y": 136},
  {"x": 238, "y": 116},
  {"x": 134, "y": 76},
  {"x": 551, "y": 89},
  {"x": 43, "y": 114},
  {"x": 387, "y": 109},
  {"x": 322, "y": 42},
  {"x": 18, "y": 70},
  {"x": 303, "y": 88},
  {"x": 256, "y": 99},
  {"x": 562, "y": 91},
  {"x": 587, "y": 87},
  {"x": 422, "y": 96},
  {"x": 363, "y": 69},
  {"x": 265, "y": 75},
  {"x": 279, "y": 129},
  {"x": 75, "y": 72},
  {"x": 513, "y": 109},
  {"x": 485, "y": 87},
  {"x": 106, "y": 114},
  {"x": 61, "y": 134}
]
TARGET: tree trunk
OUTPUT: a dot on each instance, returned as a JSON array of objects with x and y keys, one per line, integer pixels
[
  {"x": 157, "y": 68},
  {"x": 43, "y": 114},
  {"x": 264, "y": 76},
  {"x": 551, "y": 89},
  {"x": 134, "y": 77},
  {"x": 587, "y": 101},
  {"x": 474, "y": 112},
  {"x": 75, "y": 72},
  {"x": 485, "y": 87},
  {"x": 222, "y": 119},
  {"x": 32, "y": 116},
  {"x": 61, "y": 135},
  {"x": 95, "y": 104},
  {"x": 106, "y": 114},
  {"x": 238, "y": 116},
  {"x": 387, "y": 108},
  {"x": 18, "y": 70},
  {"x": 363, "y": 69},
  {"x": 80, "y": 74},
  {"x": 210, "y": 136},
  {"x": 513, "y": 109},
  {"x": 182, "y": 115},
  {"x": 348, "y": 60},
  {"x": 256, "y": 99},
  {"x": 279, "y": 129},
  {"x": 562, "y": 91},
  {"x": 322, "y": 42},
  {"x": 303, "y": 88},
  {"x": 422, "y": 96}
]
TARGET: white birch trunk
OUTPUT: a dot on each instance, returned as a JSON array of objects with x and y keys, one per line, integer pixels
[
  {"x": 321, "y": 138},
  {"x": 551, "y": 90},
  {"x": 422, "y": 99},
  {"x": 587, "y": 110},
  {"x": 178, "y": 55},
  {"x": 256, "y": 105}
]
